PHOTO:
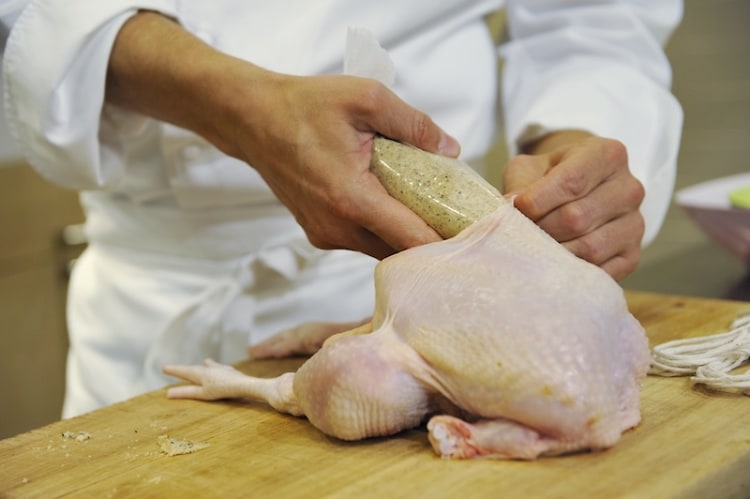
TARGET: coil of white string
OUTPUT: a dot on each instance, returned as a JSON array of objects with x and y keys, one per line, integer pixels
[{"x": 709, "y": 359}]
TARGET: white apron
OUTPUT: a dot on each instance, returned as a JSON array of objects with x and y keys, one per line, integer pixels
[{"x": 132, "y": 311}]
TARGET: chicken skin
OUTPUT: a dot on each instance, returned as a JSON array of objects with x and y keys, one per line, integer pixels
[{"x": 506, "y": 343}]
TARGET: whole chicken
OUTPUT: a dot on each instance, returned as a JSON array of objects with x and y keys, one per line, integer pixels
[{"x": 506, "y": 343}]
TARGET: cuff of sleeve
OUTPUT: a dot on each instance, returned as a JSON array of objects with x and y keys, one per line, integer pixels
[{"x": 54, "y": 107}]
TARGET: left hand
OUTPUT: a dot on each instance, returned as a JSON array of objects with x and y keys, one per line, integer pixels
[
  {"x": 305, "y": 339},
  {"x": 579, "y": 189}
]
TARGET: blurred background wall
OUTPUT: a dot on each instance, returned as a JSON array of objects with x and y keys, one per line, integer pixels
[
  {"x": 710, "y": 55},
  {"x": 711, "y": 61},
  {"x": 33, "y": 263}
]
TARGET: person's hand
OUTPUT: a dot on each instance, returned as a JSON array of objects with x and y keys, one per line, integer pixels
[
  {"x": 305, "y": 338},
  {"x": 579, "y": 189},
  {"x": 313, "y": 148},
  {"x": 310, "y": 138}
]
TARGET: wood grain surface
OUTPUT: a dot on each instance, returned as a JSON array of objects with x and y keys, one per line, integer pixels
[{"x": 691, "y": 443}]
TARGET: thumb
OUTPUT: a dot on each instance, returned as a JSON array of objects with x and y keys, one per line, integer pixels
[
  {"x": 399, "y": 121},
  {"x": 522, "y": 171}
]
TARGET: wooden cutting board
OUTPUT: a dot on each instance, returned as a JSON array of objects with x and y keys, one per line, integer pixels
[{"x": 692, "y": 443}]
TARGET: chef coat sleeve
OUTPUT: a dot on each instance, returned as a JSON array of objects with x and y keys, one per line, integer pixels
[
  {"x": 597, "y": 66},
  {"x": 9, "y": 12},
  {"x": 54, "y": 74}
]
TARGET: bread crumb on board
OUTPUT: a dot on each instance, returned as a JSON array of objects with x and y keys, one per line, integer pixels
[
  {"x": 81, "y": 436},
  {"x": 174, "y": 447}
]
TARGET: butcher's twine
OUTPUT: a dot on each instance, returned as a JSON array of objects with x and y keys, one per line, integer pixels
[{"x": 710, "y": 359}]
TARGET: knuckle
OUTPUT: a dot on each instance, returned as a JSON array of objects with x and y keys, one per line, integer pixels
[
  {"x": 589, "y": 249},
  {"x": 320, "y": 236},
  {"x": 341, "y": 204},
  {"x": 371, "y": 95},
  {"x": 576, "y": 218},
  {"x": 316, "y": 239},
  {"x": 615, "y": 152},
  {"x": 637, "y": 192},
  {"x": 574, "y": 183}
]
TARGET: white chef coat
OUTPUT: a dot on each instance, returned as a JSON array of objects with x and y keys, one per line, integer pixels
[{"x": 190, "y": 254}]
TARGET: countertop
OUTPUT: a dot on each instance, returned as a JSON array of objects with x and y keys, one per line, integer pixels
[{"x": 691, "y": 443}]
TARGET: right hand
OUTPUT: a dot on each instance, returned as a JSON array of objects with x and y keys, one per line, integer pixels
[
  {"x": 313, "y": 147},
  {"x": 310, "y": 138}
]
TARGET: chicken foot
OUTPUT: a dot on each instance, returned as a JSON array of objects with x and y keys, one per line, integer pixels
[
  {"x": 214, "y": 381},
  {"x": 376, "y": 396}
]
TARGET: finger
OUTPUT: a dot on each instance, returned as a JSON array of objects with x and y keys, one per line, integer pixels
[
  {"x": 622, "y": 265},
  {"x": 620, "y": 237},
  {"x": 522, "y": 171},
  {"x": 347, "y": 233},
  {"x": 553, "y": 191},
  {"x": 406, "y": 124},
  {"x": 382, "y": 226},
  {"x": 357, "y": 239},
  {"x": 577, "y": 171},
  {"x": 392, "y": 222},
  {"x": 372, "y": 245},
  {"x": 607, "y": 201},
  {"x": 618, "y": 261}
]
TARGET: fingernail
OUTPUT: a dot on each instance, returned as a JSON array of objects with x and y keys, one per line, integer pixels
[{"x": 448, "y": 146}]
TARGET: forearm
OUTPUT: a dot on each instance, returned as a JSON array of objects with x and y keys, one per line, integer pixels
[{"x": 159, "y": 69}]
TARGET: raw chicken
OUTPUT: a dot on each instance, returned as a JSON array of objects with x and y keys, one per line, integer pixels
[{"x": 511, "y": 345}]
